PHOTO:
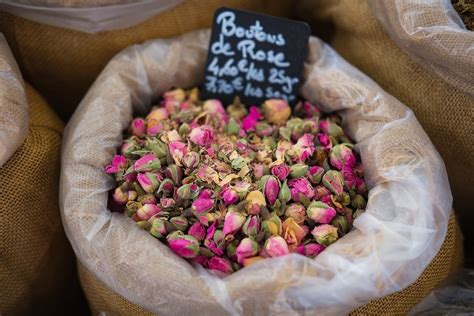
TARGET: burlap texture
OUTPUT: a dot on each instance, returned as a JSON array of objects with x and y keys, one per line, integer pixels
[
  {"x": 13, "y": 104},
  {"x": 445, "y": 113},
  {"x": 433, "y": 34},
  {"x": 448, "y": 260},
  {"x": 36, "y": 262},
  {"x": 52, "y": 57},
  {"x": 74, "y": 3},
  {"x": 393, "y": 241}
]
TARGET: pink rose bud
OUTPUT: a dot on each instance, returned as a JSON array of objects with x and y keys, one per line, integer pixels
[
  {"x": 350, "y": 177},
  {"x": 311, "y": 250},
  {"x": 281, "y": 171},
  {"x": 259, "y": 170},
  {"x": 247, "y": 248},
  {"x": 138, "y": 127},
  {"x": 167, "y": 203},
  {"x": 229, "y": 196},
  {"x": 185, "y": 246},
  {"x": 315, "y": 173},
  {"x": 250, "y": 121},
  {"x": 148, "y": 198},
  {"x": 148, "y": 181},
  {"x": 179, "y": 222},
  {"x": 147, "y": 211},
  {"x": 325, "y": 141},
  {"x": 172, "y": 100},
  {"x": 320, "y": 212},
  {"x": 177, "y": 150},
  {"x": 220, "y": 264},
  {"x": 158, "y": 228},
  {"x": 264, "y": 129},
  {"x": 214, "y": 108},
  {"x": 276, "y": 111},
  {"x": 153, "y": 127},
  {"x": 321, "y": 191},
  {"x": 272, "y": 189},
  {"x": 202, "y": 205},
  {"x": 119, "y": 163},
  {"x": 330, "y": 128},
  {"x": 361, "y": 186},
  {"x": 325, "y": 234},
  {"x": 276, "y": 246},
  {"x": 120, "y": 197},
  {"x": 166, "y": 186},
  {"x": 158, "y": 114},
  {"x": 205, "y": 194},
  {"x": 147, "y": 163},
  {"x": 342, "y": 156},
  {"x": 233, "y": 222},
  {"x": 128, "y": 148},
  {"x": 251, "y": 226},
  {"x": 191, "y": 160},
  {"x": 311, "y": 110},
  {"x": 300, "y": 187},
  {"x": 334, "y": 181},
  {"x": 202, "y": 135},
  {"x": 184, "y": 192},
  {"x": 197, "y": 231},
  {"x": 174, "y": 173},
  {"x": 297, "y": 212}
]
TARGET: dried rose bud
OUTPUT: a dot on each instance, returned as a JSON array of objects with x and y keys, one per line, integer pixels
[
  {"x": 229, "y": 196},
  {"x": 310, "y": 250},
  {"x": 298, "y": 170},
  {"x": 273, "y": 225},
  {"x": 158, "y": 114},
  {"x": 172, "y": 99},
  {"x": 191, "y": 160},
  {"x": 251, "y": 120},
  {"x": 167, "y": 203},
  {"x": 159, "y": 148},
  {"x": 158, "y": 228},
  {"x": 358, "y": 213},
  {"x": 325, "y": 141},
  {"x": 185, "y": 246},
  {"x": 276, "y": 246},
  {"x": 271, "y": 187},
  {"x": 251, "y": 226},
  {"x": 259, "y": 170},
  {"x": 119, "y": 163},
  {"x": 300, "y": 187},
  {"x": 128, "y": 148},
  {"x": 285, "y": 193},
  {"x": 263, "y": 129},
  {"x": 342, "y": 156},
  {"x": 281, "y": 171},
  {"x": 276, "y": 111},
  {"x": 219, "y": 237},
  {"x": 297, "y": 212},
  {"x": 197, "y": 231},
  {"x": 255, "y": 200},
  {"x": 342, "y": 225},
  {"x": 325, "y": 234},
  {"x": 247, "y": 248},
  {"x": 315, "y": 173},
  {"x": 166, "y": 186},
  {"x": 361, "y": 187},
  {"x": 184, "y": 192},
  {"x": 202, "y": 135},
  {"x": 320, "y": 212},
  {"x": 202, "y": 205},
  {"x": 148, "y": 198},
  {"x": 138, "y": 127},
  {"x": 246, "y": 262},
  {"x": 147, "y": 211},
  {"x": 330, "y": 128},
  {"x": 358, "y": 202},
  {"x": 334, "y": 181},
  {"x": 132, "y": 207},
  {"x": 120, "y": 197},
  {"x": 292, "y": 233},
  {"x": 237, "y": 110},
  {"x": 180, "y": 222},
  {"x": 310, "y": 110},
  {"x": 214, "y": 108},
  {"x": 321, "y": 191},
  {"x": 233, "y": 127},
  {"x": 177, "y": 150},
  {"x": 148, "y": 181},
  {"x": 220, "y": 264},
  {"x": 233, "y": 222},
  {"x": 147, "y": 163},
  {"x": 153, "y": 127},
  {"x": 174, "y": 173}
]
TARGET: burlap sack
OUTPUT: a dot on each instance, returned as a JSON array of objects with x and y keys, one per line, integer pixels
[
  {"x": 36, "y": 261},
  {"x": 445, "y": 112},
  {"x": 13, "y": 104},
  {"x": 434, "y": 35},
  {"x": 393, "y": 242},
  {"x": 52, "y": 57}
]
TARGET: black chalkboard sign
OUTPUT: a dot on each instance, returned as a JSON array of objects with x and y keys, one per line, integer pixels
[{"x": 255, "y": 57}]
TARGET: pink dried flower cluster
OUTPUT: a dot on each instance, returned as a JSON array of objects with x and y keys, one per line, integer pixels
[{"x": 227, "y": 188}]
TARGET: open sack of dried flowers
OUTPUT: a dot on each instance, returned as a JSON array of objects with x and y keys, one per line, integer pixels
[
  {"x": 436, "y": 34},
  {"x": 295, "y": 265}
]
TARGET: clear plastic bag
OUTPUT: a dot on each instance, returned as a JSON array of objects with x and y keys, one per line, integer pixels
[
  {"x": 13, "y": 104},
  {"x": 455, "y": 296},
  {"x": 401, "y": 231},
  {"x": 95, "y": 16},
  {"x": 433, "y": 34}
]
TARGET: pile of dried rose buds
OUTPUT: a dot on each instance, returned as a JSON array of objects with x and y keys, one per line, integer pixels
[{"x": 225, "y": 189}]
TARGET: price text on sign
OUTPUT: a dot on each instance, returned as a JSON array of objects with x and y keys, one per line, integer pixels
[{"x": 255, "y": 57}]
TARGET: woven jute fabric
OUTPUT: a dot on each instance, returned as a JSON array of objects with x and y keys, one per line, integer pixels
[
  {"x": 74, "y": 3},
  {"x": 432, "y": 33},
  {"x": 445, "y": 112},
  {"x": 52, "y": 57},
  {"x": 448, "y": 260},
  {"x": 36, "y": 261}
]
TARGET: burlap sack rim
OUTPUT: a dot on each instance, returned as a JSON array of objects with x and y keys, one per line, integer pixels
[
  {"x": 14, "y": 111},
  {"x": 422, "y": 41},
  {"x": 110, "y": 217}
]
